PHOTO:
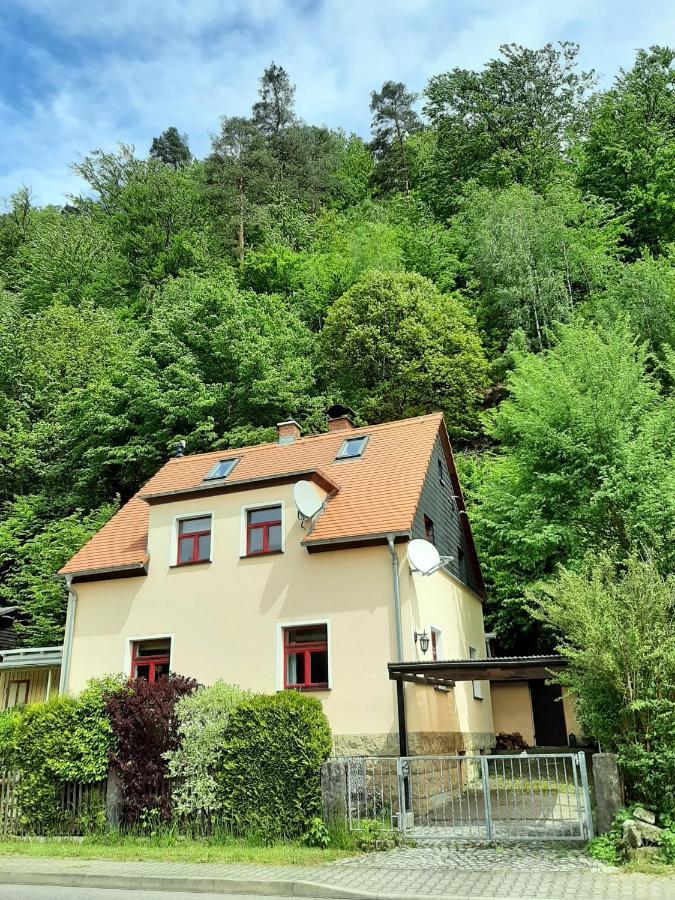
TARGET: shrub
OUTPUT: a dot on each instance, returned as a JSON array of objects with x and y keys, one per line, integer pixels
[
  {"x": 512, "y": 741},
  {"x": 144, "y": 723},
  {"x": 270, "y": 779},
  {"x": 617, "y": 630},
  {"x": 202, "y": 719},
  {"x": 66, "y": 739}
]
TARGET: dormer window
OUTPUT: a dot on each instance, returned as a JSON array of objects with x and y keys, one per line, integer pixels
[
  {"x": 352, "y": 448},
  {"x": 221, "y": 469}
]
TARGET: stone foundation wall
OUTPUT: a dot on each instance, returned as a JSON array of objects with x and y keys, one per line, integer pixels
[{"x": 420, "y": 743}]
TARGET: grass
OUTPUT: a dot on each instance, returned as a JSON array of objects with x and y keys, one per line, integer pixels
[{"x": 126, "y": 848}]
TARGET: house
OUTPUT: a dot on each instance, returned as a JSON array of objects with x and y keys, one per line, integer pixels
[
  {"x": 28, "y": 675},
  {"x": 211, "y": 572}
]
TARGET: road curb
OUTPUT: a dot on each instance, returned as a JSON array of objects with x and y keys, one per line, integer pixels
[{"x": 171, "y": 884}]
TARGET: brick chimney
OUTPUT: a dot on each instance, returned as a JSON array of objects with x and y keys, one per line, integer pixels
[
  {"x": 288, "y": 431},
  {"x": 340, "y": 418}
]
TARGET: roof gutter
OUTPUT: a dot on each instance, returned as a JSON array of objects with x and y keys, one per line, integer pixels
[
  {"x": 68, "y": 635},
  {"x": 397, "y": 597}
]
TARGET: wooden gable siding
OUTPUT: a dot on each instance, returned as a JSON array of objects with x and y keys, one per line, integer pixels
[{"x": 37, "y": 680}]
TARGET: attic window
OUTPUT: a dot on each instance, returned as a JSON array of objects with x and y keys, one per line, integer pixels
[
  {"x": 221, "y": 469},
  {"x": 353, "y": 447}
]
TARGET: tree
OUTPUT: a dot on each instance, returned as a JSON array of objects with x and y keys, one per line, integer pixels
[
  {"x": 532, "y": 259},
  {"x": 585, "y": 463},
  {"x": 617, "y": 631},
  {"x": 394, "y": 119},
  {"x": 629, "y": 156},
  {"x": 394, "y": 346},
  {"x": 275, "y": 109},
  {"x": 238, "y": 172},
  {"x": 171, "y": 148},
  {"x": 512, "y": 122}
]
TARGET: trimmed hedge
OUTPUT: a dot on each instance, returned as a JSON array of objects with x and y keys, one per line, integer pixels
[{"x": 271, "y": 776}]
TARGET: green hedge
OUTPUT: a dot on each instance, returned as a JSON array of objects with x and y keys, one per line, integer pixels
[{"x": 271, "y": 776}]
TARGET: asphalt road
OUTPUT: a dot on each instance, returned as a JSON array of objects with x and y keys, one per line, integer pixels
[{"x": 45, "y": 892}]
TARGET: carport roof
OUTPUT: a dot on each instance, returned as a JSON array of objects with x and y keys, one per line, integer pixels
[{"x": 497, "y": 668}]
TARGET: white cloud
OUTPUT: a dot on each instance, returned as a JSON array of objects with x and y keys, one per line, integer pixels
[{"x": 186, "y": 62}]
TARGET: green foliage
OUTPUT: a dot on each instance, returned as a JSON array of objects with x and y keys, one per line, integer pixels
[
  {"x": 317, "y": 834},
  {"x": 617, "y": 630},
  {"x": 373, "y": 835},
  {"x": 586, "y": 462},
  {"x": 171, "y": 148},
  {"x": 629, "y": 155},
  {"x": 394, "y": 346},
  {"x": 197, "y": 760},
  {"x": 604, "y": 849},
  {"x": 509, "y": 123},
  {"x": 270, "y": 776},
  {"x": 394, "y": 120},
  {"x": 65, "y": 739}
]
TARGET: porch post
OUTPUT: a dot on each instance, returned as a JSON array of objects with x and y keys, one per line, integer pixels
[{"x": 402, "y": 727}]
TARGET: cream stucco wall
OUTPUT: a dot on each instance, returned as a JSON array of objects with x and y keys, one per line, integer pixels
[
  {"x": 512, "y": 709},
  {"x": 225, "y": 618},
  {"x": 442, "y": 603}
]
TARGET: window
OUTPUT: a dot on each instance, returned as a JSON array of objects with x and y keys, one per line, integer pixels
[
  {"x": 461, "y": 564},
  {"x": 306, "y": 657},
  {"x": 477, "y": 685},
  {"x": 263, "y": 530},
  {"x": 150, "y": 659},
  {"x": 221, "y": 469},
  {"x": 429, "y": 530},
  {"x": 353, "y": 447},
  {"x": 441, "y": 473},
  {"x": 436, "y": 644},
  {"x": 194, "y": 540},
  {"x": 17, "y": 694}
]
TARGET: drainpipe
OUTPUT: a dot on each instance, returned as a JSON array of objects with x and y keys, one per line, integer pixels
[
  {"x": 68, "y": 635},
  {"x": 397, "y": 598}
]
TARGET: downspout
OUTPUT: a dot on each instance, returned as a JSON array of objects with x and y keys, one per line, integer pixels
[
  {"x": 397, "y": 598},
  {"x": 68, "y": 635}
]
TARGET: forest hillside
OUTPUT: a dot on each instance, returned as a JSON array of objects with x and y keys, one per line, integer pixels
[{"x": 501, "y": 249}]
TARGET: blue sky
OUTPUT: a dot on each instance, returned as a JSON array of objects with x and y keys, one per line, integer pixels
[{"x": 76, "y": 75}]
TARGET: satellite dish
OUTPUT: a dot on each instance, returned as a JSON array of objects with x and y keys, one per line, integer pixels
[
  {"x": 307, "y": 499},
  {"x": 423, "y": 557}
]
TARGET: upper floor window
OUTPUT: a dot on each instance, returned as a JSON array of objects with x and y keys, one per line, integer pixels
[
  {"x": 263, "y": 530},
  {"x": 429, "y": 530},
  {"x": 461, "y": 564},
  {"x": 436, "y": 644},
  {"x": 441, "y": 472},
  {"x": 476, "y": 685},
  {"x": 150, "y": 659},
  {"x": 194, "y": 540},
  {"x": 221, "y": 469},
  {"x": 353, "y": 447},
  {"x": 17, "y": 694},
  {"x": 306, "y": 657}
]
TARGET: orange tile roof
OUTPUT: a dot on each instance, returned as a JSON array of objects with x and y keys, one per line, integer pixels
[{"x": 375, "y": 494}]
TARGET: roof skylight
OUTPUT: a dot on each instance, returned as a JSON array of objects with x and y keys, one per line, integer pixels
[
  {"x": 353, "y": 447},
  {"x": 221, "y": 469}
]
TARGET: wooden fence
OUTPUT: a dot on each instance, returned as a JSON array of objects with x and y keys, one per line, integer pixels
[{"x": 78, "y": 804}]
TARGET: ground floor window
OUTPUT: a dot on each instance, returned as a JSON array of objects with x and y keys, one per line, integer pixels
[
  {"x": 150, "y": 659},
  {"x": 306, "y": 657},
  {"x": 17, "y": 694}
]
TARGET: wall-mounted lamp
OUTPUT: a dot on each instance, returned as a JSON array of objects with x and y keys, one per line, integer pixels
[{"x": 423, "y": 638}]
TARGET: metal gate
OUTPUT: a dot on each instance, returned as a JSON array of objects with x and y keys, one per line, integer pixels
[{"x": 491, "y": 798}]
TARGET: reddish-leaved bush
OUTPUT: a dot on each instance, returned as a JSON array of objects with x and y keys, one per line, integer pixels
[{"x": 145, "y": 727}]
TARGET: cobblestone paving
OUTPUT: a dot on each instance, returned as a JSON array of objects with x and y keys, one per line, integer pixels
[{"x": 466, "y": 872}]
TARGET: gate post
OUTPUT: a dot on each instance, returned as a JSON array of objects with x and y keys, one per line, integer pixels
[
  {"x": 402, "y": 770},
  {"x": 590, "y": 831},
  {"x": 487, "y": 800}
]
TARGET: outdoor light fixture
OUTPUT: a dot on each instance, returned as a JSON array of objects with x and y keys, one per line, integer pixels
[{"x": 423, "y": 638}]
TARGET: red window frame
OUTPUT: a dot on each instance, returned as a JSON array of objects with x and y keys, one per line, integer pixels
[
  {"x": 434, "y": 647},
  {"x": 159, "y": 659},
  {"x": 193, "y": 538},
  {"x": 26, "y": 683},
  {"x": 429, "y": 530},
  {"x": 264, "y": 527},
  {"x": 304, "y": 649}
]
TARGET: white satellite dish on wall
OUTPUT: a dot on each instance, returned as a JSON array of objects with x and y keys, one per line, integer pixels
[
  {"x": 424, "y": 558},
  {"x": 307, "y": 499}
]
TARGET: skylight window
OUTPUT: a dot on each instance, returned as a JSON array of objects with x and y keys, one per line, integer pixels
[
  {"x": 353, "y": 448},
  {"x": 221, "y": 469}
]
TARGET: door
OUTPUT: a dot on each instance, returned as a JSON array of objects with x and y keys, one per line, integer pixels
[{"x": 548, "y": 714}]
